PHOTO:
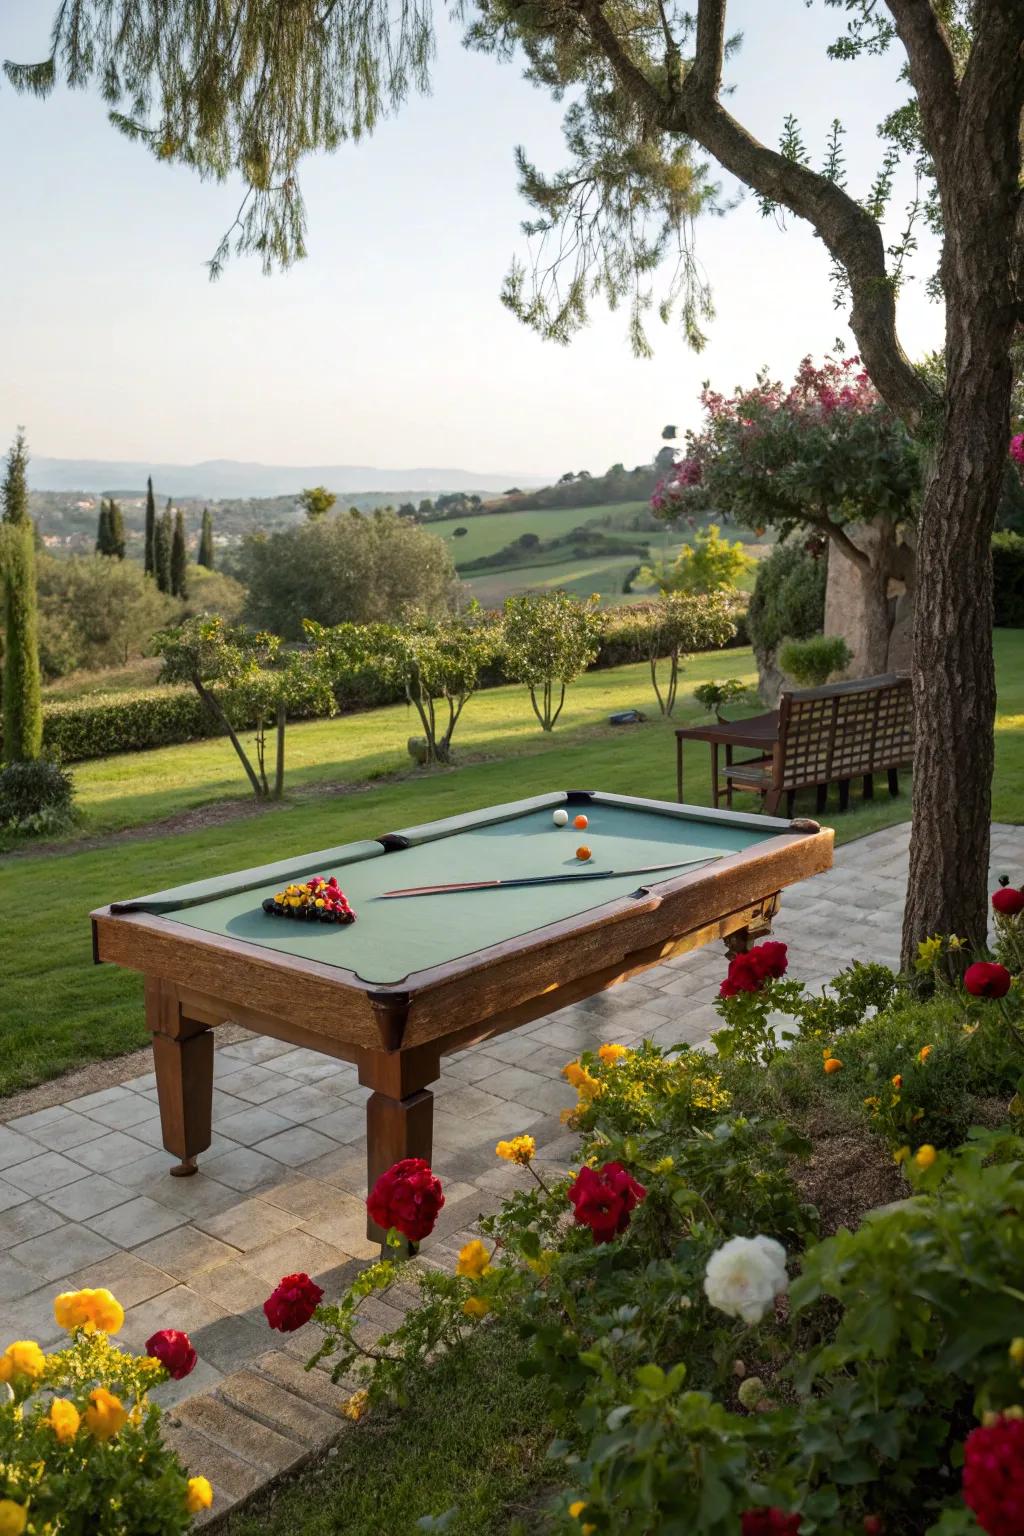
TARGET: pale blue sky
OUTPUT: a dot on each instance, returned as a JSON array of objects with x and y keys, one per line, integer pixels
[{"x": 387, "y": 346}]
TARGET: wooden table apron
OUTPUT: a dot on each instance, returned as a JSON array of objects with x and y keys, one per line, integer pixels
[{"x": 396, "y": 1035}]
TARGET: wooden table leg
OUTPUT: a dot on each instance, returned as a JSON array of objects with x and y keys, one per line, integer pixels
[
  {"x": 679, "y": 769},
  {"x": 714, "y": 774},
  {"x": 399, "y": 1112},
  {"x": 183, "y": 1062}
]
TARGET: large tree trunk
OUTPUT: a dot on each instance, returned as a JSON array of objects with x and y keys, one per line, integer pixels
[{"x": 954, "y": 673}]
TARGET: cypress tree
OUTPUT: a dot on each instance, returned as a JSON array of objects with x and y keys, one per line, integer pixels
[
  {"x": 117, "y": 535},
  {"x": 162, "y": 551},
  {"x": 103, "y": 530},
  {"x": 205, "y": 556},
  {"x": 23, "y": 708},
  {"x": 179, "y": 557},
  {"x": 149, "y": 560}
]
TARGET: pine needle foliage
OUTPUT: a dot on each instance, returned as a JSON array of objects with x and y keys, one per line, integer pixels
[
  {"x": 149, "y": 558},
  {"x": 241, "y": 87}
]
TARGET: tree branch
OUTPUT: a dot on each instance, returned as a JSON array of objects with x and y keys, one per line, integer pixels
[
  {"x": 933, "y": 76},
  {"x": 839, "y": 536}
]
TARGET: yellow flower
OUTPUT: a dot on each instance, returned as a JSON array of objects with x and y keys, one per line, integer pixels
[
  {"x": 925, "y": 1156},
  {"x": 476, "y": 1306},
  {"x": 924, "y": 1053},
  {"x": 610, "y": 1054},
  {"x": 1017, "y": 1352},
  {"x": 198, "y": 1495},
  {"x": 22, "y": 1358},
  {"x": 64, "y": 1419},
  {"x": 357, "y": 1406},
  {"x": 474, "y": 1260},
  {"x": 519, "y": 1150},
  {"x": 901, "y": 1155},
  {"x": 955, "y": 943},
  {"x": 873, "y": 1103},
  {"x": 928, "y": 952},
  {"x": 576, "y": 1509},
  {"x": 13, "y": 1518},
  {"x": 543, "y": 1263},
  {"x": 586, "y": 1085},
  {"x": 832, "y": 1064},
  {"x": 567, "y": 1116},
  {"x": 95, "y": 1311},
  {"x": 664, "y": 1165},
  {"x": 105, "y": 1415},
  {"x": 897, "y": 1081}
]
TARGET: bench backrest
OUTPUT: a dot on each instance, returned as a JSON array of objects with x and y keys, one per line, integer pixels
[{"x": 845, "y": 730}]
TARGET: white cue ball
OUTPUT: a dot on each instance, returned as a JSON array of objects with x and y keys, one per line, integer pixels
[{"x": 561, "y": 818}]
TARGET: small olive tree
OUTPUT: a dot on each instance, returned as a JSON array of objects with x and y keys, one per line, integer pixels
[
  {"x": 683, "y": 623},
  {"x": 549, "y": 638},
  {"x": 709, "y": 564},
  {"x": 242, "y": 678}
]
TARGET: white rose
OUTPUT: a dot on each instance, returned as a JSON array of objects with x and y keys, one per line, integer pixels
[{"x": 744, "y": 1276}]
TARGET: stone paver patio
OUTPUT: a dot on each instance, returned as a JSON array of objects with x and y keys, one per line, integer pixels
[{"x": 85, "y": 1197}]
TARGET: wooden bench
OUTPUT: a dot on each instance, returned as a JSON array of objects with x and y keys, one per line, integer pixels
[{"x": 832, "y": 735}]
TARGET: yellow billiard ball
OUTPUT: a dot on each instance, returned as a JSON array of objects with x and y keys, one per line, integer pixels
[{"x": 583, "y": 853}]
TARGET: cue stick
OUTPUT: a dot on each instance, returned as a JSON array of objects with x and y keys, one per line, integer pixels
[{"x": 588, "y": 874}]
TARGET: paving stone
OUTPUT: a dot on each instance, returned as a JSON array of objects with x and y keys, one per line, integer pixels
[
  {"x": 300, "y": 1195},
  {"x": 11, "y": 1197},
  {"x": 243, "y": 1168},
  {"x": 141, "y": 1084},
  {"x": 263, "y": 1448},
  {"x": 543, "y": 1094},
  {"x": 231, "y": 1341},
  {"x": 307, "y": 1066},
  {"x": 149, "y": 1167},
  {"x": 308, "y": 1103},
  {"x": 310, "y": 1385},
  {"x": 87, "y": 1197},
  {"x": 27, "y": 1219},
  {"x": 342, "y": 1224},
  {"x": 122, "y": 1114},
  {"x": 102, "y": 1096},
  {"x": 203, "y": 1377},
  {"x": 231, "y": 1477},
  {"x": 62, "y": 1250},
  {"x": 252, "y": 1124},
  {"x": 471, "y": 1066},
  {"x": 346, "y": 1124},
  {"x": 38, "y": 1175},
  {"x": 295, "y": 1252},
  {"x": 345, "y": 1168},
  {"x": 131, "y": 1279},
  {"x": 278, "y": 1407},
  {"x": 256, "y": 1085},
  {"x": 111, "y": 1151},
  {"x": 258, "y": 1048},
  {"x": 180, "y": 1306},
  {"x": 197, "y": 1196},
  {"x": 135, "y": 1222},
  {"x": 248, "y": 1224},
  {"x": 39, "y": 1117},
  {"x": 30, "y": 1316},
  {"x": 184, "y": 1252},
  {"x": 16, "y": 1148},
  {"x": 298, "y": 1145},
  {"x": 232, "y": 1288},
  {"x": 16, "y": 1280}
]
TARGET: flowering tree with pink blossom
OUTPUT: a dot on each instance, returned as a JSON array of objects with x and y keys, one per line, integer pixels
[{"x": 822, "y": 454}]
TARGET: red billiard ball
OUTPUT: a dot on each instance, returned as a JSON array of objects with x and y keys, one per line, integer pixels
[{"x": 581, "y": 823}]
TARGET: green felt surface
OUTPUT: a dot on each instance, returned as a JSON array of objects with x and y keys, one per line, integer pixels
[{"x": 392, "y": 939}]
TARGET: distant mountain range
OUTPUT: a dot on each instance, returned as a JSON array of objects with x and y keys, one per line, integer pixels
[{"x": 226, "y": 478}]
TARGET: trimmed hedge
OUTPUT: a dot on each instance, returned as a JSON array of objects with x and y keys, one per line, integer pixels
[
  {"x": 1008, "y": 578},
  {"x": 169, "y": 715}
]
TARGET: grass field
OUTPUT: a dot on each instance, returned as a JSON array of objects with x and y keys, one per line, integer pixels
[
  {"x": 487, "y": 535},
  {"x": 59, "y": 1010}
]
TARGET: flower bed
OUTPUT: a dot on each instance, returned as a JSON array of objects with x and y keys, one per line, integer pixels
[
  {"x": 80, "y": 1447},
  {"x": 717, "y": 1352}
]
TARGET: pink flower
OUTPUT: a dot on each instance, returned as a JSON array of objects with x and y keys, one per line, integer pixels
[
  {"x": 993, "y": 1483},
  {"x": 1017, "y": 448},
  {"x": 603, "y": 1199}
]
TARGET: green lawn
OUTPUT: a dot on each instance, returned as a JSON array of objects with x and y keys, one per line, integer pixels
[
  {"x": 59, "y": 1010},
  {"x": 487, "y": 535},
  {"x": 472, "y": 1439}
]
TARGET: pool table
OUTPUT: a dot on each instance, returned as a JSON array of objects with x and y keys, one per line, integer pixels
[{"x": 418, "y": 977}]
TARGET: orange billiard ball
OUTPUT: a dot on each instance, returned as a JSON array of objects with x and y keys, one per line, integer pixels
[
  {"x": 581, "y": 823},
  {"x": 583, "y": 852}
]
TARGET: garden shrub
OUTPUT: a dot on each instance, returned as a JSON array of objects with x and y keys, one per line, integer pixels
[
  {"x": 788, "y": 600},
  {"x": 36, "y": 798},
  {"x": 1008, "y": 579},
  {"x": 810, "y": 663}
]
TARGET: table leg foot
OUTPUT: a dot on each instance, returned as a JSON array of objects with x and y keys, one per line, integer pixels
[{"x": 185, "y": 1169}]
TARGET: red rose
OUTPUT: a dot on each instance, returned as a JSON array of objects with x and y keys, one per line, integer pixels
[
  {"x": 873, "y": 1525},
  {"x": 770, "y": 1521},
  {"x": 292, "y": 1303},
  {"x": 1007, "y": 901},
  {"x": 407, "y": 1197},
  {"x": 986, "y": 978},
  {"x": 770, "y": 959},
  {"x": 993, "y": 1484},
  {"x": 174, "y": 1351},
  {"x": 603, "y": 1199}
]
